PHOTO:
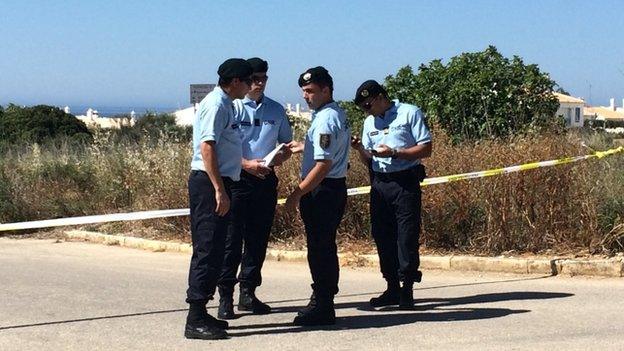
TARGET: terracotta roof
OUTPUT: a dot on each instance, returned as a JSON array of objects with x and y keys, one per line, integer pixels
[
  {"x": 568, "y": 98},
  {"x": 603, "y": 112}
]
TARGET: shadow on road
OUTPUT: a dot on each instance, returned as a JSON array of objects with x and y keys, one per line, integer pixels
[
  {"x": 91, "y": 319},
  {"x": 380, "y": 321},
  {"x": 377, "y": 318},
  {"x": 438, "y": 312}
]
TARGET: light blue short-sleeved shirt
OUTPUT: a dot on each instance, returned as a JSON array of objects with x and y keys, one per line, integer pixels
[
  {"x": 402, "y": 126},
  {"x": 261, "y": 126},
  {"x": 327, "y": 138},
  {"x": 214, "y": 121}
]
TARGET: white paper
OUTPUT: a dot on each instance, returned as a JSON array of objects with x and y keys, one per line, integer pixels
[{"x": 268, "y": 159}]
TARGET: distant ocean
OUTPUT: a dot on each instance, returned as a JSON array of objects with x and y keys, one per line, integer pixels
[{"x": 110, "y": 111}]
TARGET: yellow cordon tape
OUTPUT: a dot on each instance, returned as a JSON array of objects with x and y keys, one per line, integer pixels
[{"x": 350, "y": 192}]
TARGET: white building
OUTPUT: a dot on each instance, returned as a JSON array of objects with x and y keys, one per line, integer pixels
[
  {"x": 606, "y": 113},
  {"x": 571, "y": 109},
  {"x": 185, "y": 116},
  {"x": 93, "y": 120}
]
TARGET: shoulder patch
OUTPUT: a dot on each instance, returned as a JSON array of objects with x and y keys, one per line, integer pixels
[{"x": 325, "y": 140}]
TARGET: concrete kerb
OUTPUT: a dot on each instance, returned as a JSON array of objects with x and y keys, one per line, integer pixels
[{"x": 611, "y": 267}]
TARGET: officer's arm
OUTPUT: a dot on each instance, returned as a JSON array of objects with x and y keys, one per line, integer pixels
[{"x": 415, "y": 152}]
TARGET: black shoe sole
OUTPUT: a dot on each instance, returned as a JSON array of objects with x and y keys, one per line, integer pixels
[
  {"x": 199, "y": 336},
  {"x": 384, "y": 304}
]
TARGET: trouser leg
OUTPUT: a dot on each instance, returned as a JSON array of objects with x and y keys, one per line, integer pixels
[
  {"x": 208, "y": 232},
  {"x": 259, "y": 221},
  {"x": 384, "y": 231},
  {"x": 407, "y": 208},
  {"x": 322, "y": 210}
]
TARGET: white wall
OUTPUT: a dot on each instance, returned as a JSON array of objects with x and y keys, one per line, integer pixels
[{"x": 568, "y": 111}]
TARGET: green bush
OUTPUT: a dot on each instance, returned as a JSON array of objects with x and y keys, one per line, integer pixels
[
  {"x": 480, "y": 95},
  {"x": 39, "y": 124}
]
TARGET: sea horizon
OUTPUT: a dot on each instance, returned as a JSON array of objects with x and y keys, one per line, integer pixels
[{"x": 110, "y": 111}]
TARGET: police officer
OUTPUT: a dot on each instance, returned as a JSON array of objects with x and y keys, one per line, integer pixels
[
  {"x": 322, "y": 192},
  {"x": 262, "y": 123},
  {"x": 395, "y": 138},
  {"x": 215, "y": 166}
]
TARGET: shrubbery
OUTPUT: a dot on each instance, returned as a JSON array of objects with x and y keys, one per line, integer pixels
[
  {"x": 576, "y": 206},
  {"x": 39, "y": 124}
]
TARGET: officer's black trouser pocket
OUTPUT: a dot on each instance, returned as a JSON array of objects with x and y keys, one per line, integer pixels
[{"x": 322, "y": 210}]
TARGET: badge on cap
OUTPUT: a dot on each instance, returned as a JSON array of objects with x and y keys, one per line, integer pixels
[
  {"x": 325, "y": 140},
  {"x": 307, "y": 76},
  {"x": 364, "y": 93}
]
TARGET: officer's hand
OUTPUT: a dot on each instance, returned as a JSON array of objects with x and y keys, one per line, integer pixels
[
  {"x": 223, "y": 203},
  {"x": 256, "y": 168},
  {"x": 282, "y": 156},
  {"x": 383, "y": 150},
  {"x": 295, "y": 146},
  {"x": 292, "y": 202},
  {"x": 356, "y": 143}
]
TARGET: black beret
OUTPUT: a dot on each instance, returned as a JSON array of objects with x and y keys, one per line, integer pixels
[
  {"x": 235, "y": 68},
  {"x": 318, "y": 75},
  {"x": 258, "y": 64},
  {"x": 369, "y": 88}
]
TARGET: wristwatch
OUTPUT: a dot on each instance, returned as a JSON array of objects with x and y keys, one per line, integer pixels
[{"x": 394, "y": 153}]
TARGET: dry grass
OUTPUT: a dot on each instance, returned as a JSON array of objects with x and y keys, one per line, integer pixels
[{"x": 572, "y": 207}]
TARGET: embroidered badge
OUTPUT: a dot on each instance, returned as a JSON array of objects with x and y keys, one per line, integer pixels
[
  {"x": 373, "y": 133},
  {"x": 364, "y": 93},
  {"x": 257, "y": 122},
  {"x": 307, "y": 76},
  {"x": 386, "y": 131},
  {"x": 325, "y": 140}
]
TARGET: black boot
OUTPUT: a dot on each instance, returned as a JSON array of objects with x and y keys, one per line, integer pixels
[
  {"x": 311, "y": 304},
  {"x": 406, "y": 301},
  {"x": 226, "y": 305},
  {"x": 249, "y": 302},
  {"x": 322, "y": 313},
  {"x": 201, "y": 325},
  {"x": 389, "y": 297}
]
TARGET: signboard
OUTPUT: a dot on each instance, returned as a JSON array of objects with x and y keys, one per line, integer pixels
[{"x": 199, "y": 92}]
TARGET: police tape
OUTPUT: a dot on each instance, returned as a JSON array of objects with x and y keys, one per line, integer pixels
[{"x": 133, "y": 216}]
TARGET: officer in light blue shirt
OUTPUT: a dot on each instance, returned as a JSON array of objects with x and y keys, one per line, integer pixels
[
  {"x": 322, "y": 193},
  {"x": 329, "y": 124},
  {"x": 395, "y": 138},
  {"x": 215, "y": 166},
  {"x": 262, "y": 124}
]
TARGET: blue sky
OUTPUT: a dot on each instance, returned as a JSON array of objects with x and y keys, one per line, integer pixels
[{"x": 146, "y": 53}]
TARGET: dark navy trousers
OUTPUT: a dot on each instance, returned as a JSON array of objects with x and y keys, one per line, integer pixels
[
  {"x": 253, "y": 208},
  {"x": 321, "y": 211},
  {"x": 208, "y": 233},
  {"x": 395, "y": 204}
]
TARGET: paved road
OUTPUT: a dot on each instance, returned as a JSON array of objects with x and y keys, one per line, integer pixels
[{"x": 79, "y": 296}]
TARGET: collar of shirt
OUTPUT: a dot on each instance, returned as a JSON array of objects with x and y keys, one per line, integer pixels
[
  {"x": 223, "y": 94},
  {"x": 252, "y": 103},
  {"x": 392, "y": 110},
  {"x": 329, "y": 104}
]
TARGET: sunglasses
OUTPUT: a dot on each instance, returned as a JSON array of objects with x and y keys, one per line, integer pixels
[{"x": 259, "y": 79}]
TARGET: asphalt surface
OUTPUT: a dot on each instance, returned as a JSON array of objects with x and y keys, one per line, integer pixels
[{"x": 79, "y": 296}]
